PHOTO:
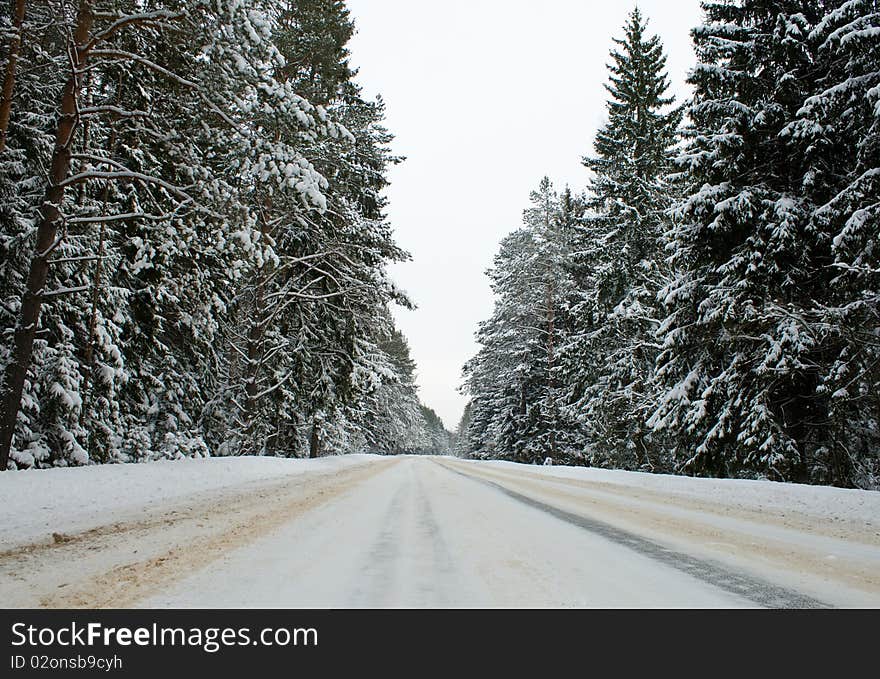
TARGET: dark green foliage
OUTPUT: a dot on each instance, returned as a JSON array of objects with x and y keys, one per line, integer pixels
[
  {"x": 756, "y": 336},
  {"x": 224, "y": 243},
  {"x": 618, "y": 257},
  {"x": 721, "y": 316}
]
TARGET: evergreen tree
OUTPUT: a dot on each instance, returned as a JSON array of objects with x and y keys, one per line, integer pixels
[
  {"x": 765, "y": 358},
  {"x": 618, "y": 259},
  {"x": 313, "y": 37},
  {"x": 497, "y": 378},
  {"x": 209, "y": 272},
  {"x": 315, "y": 305},
  {"x": 462, "y": 445},
  {"x": 433, "y": 439},
  {"x": 392, "y": 418},
  {"x": 513, "y": 381},
  {"x": 11, "y": 33},
  {"x": 837, "y": 133}
]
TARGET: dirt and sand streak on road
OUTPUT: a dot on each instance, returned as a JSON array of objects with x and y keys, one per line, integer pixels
[
  {"x": 681, "y": 522},
  {"x": 71, "y": 571},
  {"x": 868, "y": 534}
]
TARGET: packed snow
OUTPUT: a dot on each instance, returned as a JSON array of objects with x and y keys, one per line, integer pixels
[
  {"x": 371, "y": 531},
  {"x": 821, "y": 502},
  {"x": 38, "y": 503}
]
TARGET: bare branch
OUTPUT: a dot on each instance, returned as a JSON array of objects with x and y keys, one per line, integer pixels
[
  {"x": 64, "y": 291},
  {"x": 116, "y": 110},
  {"x": 85, "y": 258},
  {"x": 115, "y": 218}
]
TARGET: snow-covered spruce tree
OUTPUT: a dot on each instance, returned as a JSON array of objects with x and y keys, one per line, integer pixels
[
  {"x": 553, "y": 220},
  {"x": 513, "y": 379},
  {"x": 837, "y": 131},
  {"x": 767, "y": 348},
  {"x": 617, "y": 258}
]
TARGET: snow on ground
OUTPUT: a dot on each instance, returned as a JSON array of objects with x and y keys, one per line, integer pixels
[
  {"x": 424, "y": 532},
  {"x": 421, "y": 536},
  {"x": 36, "y": 503},
  {"x": 818, "y": 501},
  {"x": 821, "y": 541}
]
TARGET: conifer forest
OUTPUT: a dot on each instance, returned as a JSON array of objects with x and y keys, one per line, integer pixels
[
  {"x": 709, "y": 303},
  {"x": 195, "y": 250}
]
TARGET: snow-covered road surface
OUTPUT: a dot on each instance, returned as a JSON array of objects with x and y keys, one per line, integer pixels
[{"x": 439, "y": 532}]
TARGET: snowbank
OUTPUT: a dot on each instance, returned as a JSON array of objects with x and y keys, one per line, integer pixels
[
  {"x": 36, "y": 503},
  {"x": 820, "y": 501}
]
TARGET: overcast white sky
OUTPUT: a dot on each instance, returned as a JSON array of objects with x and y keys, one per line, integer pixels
[{"x": 485, "y": 98}]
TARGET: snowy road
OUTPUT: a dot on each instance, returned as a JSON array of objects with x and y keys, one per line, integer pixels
[{"x": 437, "y": 532}]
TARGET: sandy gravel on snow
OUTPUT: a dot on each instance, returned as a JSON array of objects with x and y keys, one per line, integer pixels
[
  {"x": 837, "y": 561},
  {"x": 115, "y": 565},
  {"x": 428, "y": 532}
]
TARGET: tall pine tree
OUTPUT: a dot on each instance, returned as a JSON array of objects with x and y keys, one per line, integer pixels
[{"x": 514, "y": 380}]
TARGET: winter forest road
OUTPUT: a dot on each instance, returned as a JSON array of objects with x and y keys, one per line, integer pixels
[{"x": 440, "y": 532}]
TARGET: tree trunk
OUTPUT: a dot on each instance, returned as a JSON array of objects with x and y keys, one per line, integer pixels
[
  {"x": 97, "y": 279},
  {"x": 47, "y": 233},
  {"x": 315, "y": 442},
  {"x": 252, "y": 375},
  {"x": 255, "y": 348},
  {"x": 254, "y": 353},
  {"x": 9, "y": 75},
  {"x": 551, "y": 332}
]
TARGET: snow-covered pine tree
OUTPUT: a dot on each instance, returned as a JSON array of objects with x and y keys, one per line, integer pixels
[
  {"x": 758, "y": 342},
  {"x": 513, "y": 379},
  {"x": 256, "y": 409},
  {"x": 461, "y": 443},
  {"x": 496, "y": 378},
  {"x": 618, "y": 258},
  {"x": 28, "y": 145},
  {"x": 48, "y": 406},
  {"x": 387, "y": 410},
  {"x": 11, "y": 34},
  {"x": 437, "y": 440},
  {"x": 153, "y": 135},
  {"x": 198, "y": 196},
  {"x": 260, "y": 163},
  {"x": 315, "y": 305}
]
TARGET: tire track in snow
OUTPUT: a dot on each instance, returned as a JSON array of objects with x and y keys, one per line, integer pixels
[
  {"x": 839, "y": 566},
  {"x": 760, "y": 592},
  {"x": 409, "y": 559},
  {"x": 383, "y": 560}
]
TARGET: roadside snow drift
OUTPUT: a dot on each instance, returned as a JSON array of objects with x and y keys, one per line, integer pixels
[{"x": 34, "y": 504}]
